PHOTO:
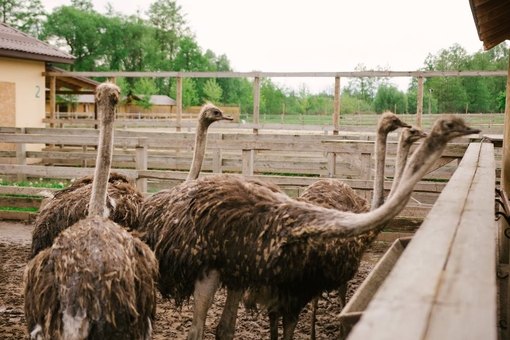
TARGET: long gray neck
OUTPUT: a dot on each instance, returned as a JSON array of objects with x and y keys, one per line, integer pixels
[
  {"x": 400, "y": 163},
  {"x": 97, "y": 204},
  {"x": 345, "y": 224},
  {"x": 199, "y": 152},
  {"x": 380, "y": 155}
]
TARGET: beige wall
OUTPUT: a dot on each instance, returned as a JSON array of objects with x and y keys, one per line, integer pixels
[
  {"x": 26, "y": 84},
  {"x": 29, "y": 89}
]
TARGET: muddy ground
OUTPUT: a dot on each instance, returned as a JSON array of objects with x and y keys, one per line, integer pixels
[{"x": 171, "y": 323}]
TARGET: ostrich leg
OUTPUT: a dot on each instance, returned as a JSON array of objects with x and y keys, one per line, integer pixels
[
  {"x": 203, "y": 298},
  {"x": 227, "y": 325}
]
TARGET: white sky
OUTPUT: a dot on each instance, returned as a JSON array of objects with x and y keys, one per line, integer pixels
[{"x": 321, "y": 35}]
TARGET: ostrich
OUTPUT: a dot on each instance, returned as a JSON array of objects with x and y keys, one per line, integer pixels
[
  {"x": 208, "y": 115},
  {"x": 96, "y": 281},
  {"x": 114, "y": 178},
  {"x": 333, "y": 194},
  {"x": 70, "y": 205},
  {"x": 406, "y": 140},
  {"x": 244, "y": 234}
]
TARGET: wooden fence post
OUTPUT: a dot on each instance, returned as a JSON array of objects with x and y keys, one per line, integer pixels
[
  {"x": 419, "y": 104},
  {"x": 21, "y": 156},
  {"x": 141, "y": 164},
  {"x": 256, "y": 103},
  {"x": 336, "y": 108},
  {"x": 179, "y": 103},
  {"x": 366, "y": 171},
  {"x": 248, "y": 159},
  {"x": 332, "y": 164}
]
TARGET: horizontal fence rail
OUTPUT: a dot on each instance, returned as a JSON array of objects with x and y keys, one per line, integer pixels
[
  {"x": 487, "y": 122},
  {"x": 157, "y": 160}
]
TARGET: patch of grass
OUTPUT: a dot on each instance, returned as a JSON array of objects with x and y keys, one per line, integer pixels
[
  {"x": 40, "y": 183},
  {"x": 19, "y": 209}
]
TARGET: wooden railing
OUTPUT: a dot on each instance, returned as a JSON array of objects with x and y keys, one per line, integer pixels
[
  {"x": 443, "y": 286},
  {"x": 155, "y": 160},
  {"x": 487, "y": 122}
]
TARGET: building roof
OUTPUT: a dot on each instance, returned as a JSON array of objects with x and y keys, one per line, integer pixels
[
  {"x": 492, "y": 21},
  {"x": 71, "y": 85},
  {"x": 159, "y": 99},
  {"x": 16, "y": 44}
]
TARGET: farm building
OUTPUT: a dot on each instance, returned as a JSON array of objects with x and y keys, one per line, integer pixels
[
  {"x": 82, "y": 105},
  {"x": 23, "y": 60}
]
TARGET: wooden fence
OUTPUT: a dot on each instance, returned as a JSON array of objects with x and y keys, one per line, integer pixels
[
  {"x": 489, "y": 123},
  {"x": 444, "y": 285},
  {"x": 156, "y": 160}
]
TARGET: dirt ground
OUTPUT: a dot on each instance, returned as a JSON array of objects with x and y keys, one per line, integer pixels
[{"x": 171, "y": 323}]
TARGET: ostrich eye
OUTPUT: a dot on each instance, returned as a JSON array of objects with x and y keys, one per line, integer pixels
[{"x": 450, "y": 125}]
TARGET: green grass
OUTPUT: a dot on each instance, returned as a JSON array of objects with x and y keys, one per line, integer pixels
[
  {"x": 41, "y": 183},
  {"x": 19, "y": 209}
]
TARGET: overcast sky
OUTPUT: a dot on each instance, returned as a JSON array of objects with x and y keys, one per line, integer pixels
[{"x": 321, "y": 35}]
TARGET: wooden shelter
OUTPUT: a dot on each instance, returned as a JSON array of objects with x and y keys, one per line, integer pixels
[{"x": 492, "y": 21}]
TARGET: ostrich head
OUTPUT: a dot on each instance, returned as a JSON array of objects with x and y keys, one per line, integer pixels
[
  {"x": 445, "y": 129},
  {"x": 210, "y": 114},
  {"x": 390, "y": 122},
  {"x": 413, "y": 134},
  {"x": 450, "y": 127},
  {"x": 107, "y": 94}
]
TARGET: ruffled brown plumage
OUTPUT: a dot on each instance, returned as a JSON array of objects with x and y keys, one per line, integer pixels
[
  {"x": 71, "y": 205},
  {"x": 97, "y": 274}
]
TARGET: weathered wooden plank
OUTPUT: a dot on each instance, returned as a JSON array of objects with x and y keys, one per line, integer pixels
[
  {"x": 349, "y": 74},
  {"x": 353, "y": 310},
  {"x": 26, "y": 191},
  {"x": 56, "y": 172},
  {"x": 70, "y": 140},
  {"x": 417, "y": 275},
  {"x": 466, "y": 304},
  {"x": 20, "y": 202}
]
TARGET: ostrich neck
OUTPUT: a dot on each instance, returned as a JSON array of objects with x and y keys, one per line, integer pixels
[
  {"x": 380, "y": 158},
  {"x": 97, "y": 204},
  {"x": 344, "y": 224},
  {"x": 400, "y": 163},
  {"x": 198, "y": 153}
]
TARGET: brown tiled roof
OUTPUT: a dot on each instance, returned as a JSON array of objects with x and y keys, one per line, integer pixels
[
  {"x": 492, "y": 21},
  {"x": 16, "y": 44}
]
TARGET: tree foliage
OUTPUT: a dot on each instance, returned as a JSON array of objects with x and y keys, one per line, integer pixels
[{"x": 162, "y": 41}]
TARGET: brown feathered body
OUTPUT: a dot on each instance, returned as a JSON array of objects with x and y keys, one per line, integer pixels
[
  {"x": 96, "y": 282},
  {"x": 71, "y": 204},
  {"x": 181, "y": 225},
  {"x": 335, "y": 262}
]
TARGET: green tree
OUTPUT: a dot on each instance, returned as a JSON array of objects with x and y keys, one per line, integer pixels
[
  {"x": 189, "y": 57},
  {"x": 79, "y": 32},
  {"x": 212, "y": 91},
  {"x": 170, "y": 27},
  {"x": 449, "y": 91},
  {"x": 274, "y": 97},
  {"x": 83, "y": 5},
  {"x": 388, "y": 97},
  {"x": 349, "y": 105},
  {"x": 144, "y": 88},
  {"x": 428, "y": 97},
  {"x": 304, "y": 99},
  {"x": 363, "y": 88},
  {"x": 26, "y": 15},
  {"x": 501, "y": 100},
  {"x": 189, "y": 92}
]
